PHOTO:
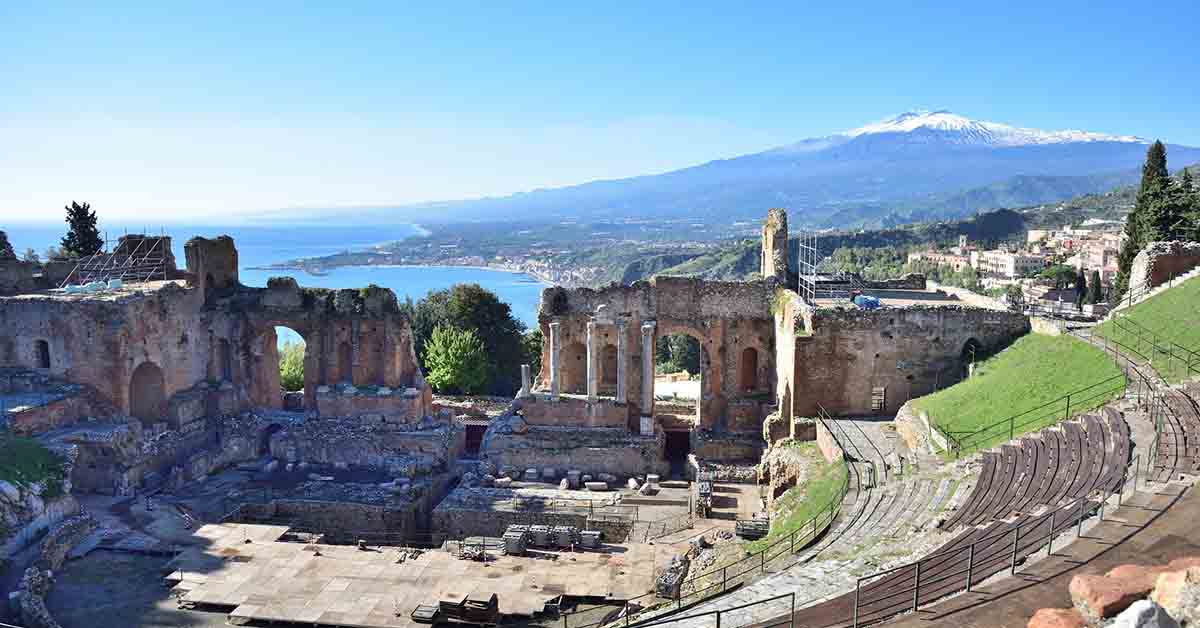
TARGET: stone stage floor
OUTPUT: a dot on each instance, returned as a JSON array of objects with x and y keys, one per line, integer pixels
[{"x": 270, "y": 580}]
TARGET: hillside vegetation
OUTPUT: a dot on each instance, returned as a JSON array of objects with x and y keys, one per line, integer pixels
[
  {"x": 24, "y": 461},
  {"x": 1027, "y": 382},
  {"x": 1172, "y": 316},
  {"x": 814, "y": 493}
]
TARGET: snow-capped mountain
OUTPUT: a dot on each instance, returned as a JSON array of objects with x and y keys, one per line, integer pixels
[
  {"x": 979, "y": 132},
  {"x": 907, "y": 165}
]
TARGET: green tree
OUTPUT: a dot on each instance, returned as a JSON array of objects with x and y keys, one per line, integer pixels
[
  {"x": 83, "y": 237},
  {"x": 291, "y": 366},
  {"x": 1060, "y": 275},
  {"x": 1081, "y": 288},
  {"x": 1143, "y": 223},
  {"x": 456, "y": 360},
  {"x": 6, "y": 249},
  {"x": 472, "y": 308},
  {"x": 1095, "y": 294}
]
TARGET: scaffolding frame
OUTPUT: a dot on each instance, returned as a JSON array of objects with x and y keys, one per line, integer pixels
[
  {"x": 146, "y": 262},
  {"x": 808, "y": 257}
]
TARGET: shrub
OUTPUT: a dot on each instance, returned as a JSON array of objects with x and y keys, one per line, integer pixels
[
  {"x": 291, "y": 366},
  {"x": 456, "y": 360}
]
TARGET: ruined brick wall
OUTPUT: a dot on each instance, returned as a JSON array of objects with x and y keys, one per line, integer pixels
[
  {"x": 726, "y": 318},
  {"x": 1159, "y": 261},
  {"x": 793, "y": 319},
  {"x": 458, "y": 523},
  {"x": 906, "y": 351},
  {"x": 774, "y": 263},
  {"x": 100, "y": 341},
  {"x": 573, "y": 411},
  {"x": 592, "y": 451},
  {"x": 53, "y": 415},
  {"x": 212, "y": 263}
]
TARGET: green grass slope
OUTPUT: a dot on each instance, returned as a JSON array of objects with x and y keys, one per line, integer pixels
[
  {"x": 799, "y": 504},
  {"x": 1172, "y": 316},
  {"x": 1028, "y": 382},
  {"x": 24, "y": 461}
]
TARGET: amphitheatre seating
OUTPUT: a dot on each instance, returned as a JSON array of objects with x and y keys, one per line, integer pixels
[
  {"x": 1178, "y": 448},
  {"x": 1047, "y": 481}
]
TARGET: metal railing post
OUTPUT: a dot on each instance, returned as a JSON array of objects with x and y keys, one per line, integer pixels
[
  {"x": 1079, "y": 525},
  {"x": 857, "y": 588},
  {"x": 1012, "y": 570},
  {"x": 718, "y": 619},
  {"x": 970, "y": 565},
  {"x": 792, "y": 615},
  {"x": 1050, "y": 538},
  {"x": 916, "y": 585}
]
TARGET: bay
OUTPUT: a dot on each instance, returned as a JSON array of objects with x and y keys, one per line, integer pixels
[{"x": 263, "y": 245}]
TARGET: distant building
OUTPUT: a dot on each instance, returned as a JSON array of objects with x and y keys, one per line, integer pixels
[
  {"x": 1005, "y": 264},
  {"x": 956, "y": 262}
]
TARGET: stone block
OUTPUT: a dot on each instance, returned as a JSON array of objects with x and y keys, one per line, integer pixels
[
  {"x": 1057, "y": 618},
  {"x": 503, "y": 482},
  {"x": 1179, "y": 593},
  {"x": 1099, "y": 597},
  {"x": 564, "y": 485},
  {"x": 596, "y": 486},
  {"x": 652, "y": 478},
  {"x": 633, "y": 484},
  {"x": 531, "y": 475}
]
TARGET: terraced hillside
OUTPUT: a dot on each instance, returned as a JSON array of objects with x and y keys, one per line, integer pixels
[
  {"x": 1164, "y": 330},
  {"x": 1028, "y": 383}
]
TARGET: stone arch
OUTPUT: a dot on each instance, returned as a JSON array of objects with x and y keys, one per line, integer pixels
[
  {"x": 147, "y": 393},
  {"x": 574, "y": 368},
  {"x": 748, "y": 370},
  {"x": 41, "y": 354}
]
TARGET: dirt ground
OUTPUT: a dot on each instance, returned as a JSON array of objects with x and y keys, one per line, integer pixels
[{"x": 117, "y": 590}]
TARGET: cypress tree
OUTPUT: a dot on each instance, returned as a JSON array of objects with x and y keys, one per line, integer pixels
[
  {"x": 1143, "y": 223},
  {"x": 1094, "y": 295},
  {"x": 1081, "y": 287},
  {"x": 83, "y": 237},
  {"x": 6, "y": 249}
]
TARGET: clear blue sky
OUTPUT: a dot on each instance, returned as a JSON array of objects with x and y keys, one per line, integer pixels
[{"x": 215, "y": 108}]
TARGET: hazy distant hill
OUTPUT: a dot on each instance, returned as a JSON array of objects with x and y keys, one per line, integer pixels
[{"x": 917, "y": 166}]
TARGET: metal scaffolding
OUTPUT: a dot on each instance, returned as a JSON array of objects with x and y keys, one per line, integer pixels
[{"x": 129, "y": 263}]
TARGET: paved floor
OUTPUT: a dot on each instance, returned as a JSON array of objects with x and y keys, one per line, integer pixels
[{"x": 244, "y": 566}]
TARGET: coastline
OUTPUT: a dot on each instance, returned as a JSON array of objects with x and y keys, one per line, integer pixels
[{"x": 536, "y": 276}]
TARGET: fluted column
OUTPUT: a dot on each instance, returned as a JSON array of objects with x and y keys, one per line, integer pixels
[
  {"x": 622, "y": 357},
  {"x": 647, "y": 369},
  {"x": 593, "y": 374},
  {"x": 555, "y": 362}
]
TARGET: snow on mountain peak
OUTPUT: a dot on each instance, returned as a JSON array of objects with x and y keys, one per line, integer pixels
[{"x": 970, "y": 131}]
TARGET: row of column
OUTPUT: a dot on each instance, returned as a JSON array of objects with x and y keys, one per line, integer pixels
[{"x": 593, "y": 362}]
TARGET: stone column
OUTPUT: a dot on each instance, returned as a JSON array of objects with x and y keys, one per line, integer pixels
[
  {"x": 593, "y": 374},
  {"x": 526, "y": 382},
  {"x": 622, "y": 356},
  {"x": 555, "y": 363},
  {"x": 647, "y": 377}
]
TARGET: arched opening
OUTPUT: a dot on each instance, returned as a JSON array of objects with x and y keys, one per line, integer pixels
[
  {"x": 608, "y": 369},
  {"x": 264, "y": 438},
  {"x": 292, "y": 356},
  {"x": 573, "y": 371},
  {"x": 678, "y": 367},
  {"x": 345, "y": 358},
  {"x": 147, "y": 394},
  {"x": 748, "y": 370},
  {"x": 972, "y": 352},
  {"x": 221, "y": 366},
  {"x": 42, "y": 349}
]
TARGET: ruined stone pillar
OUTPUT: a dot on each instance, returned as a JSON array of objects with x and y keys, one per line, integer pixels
[
  {"x": 647, "y": 423},
  {"x": 526, "y": 384},
  {"x": 622, "y": 356},
  {"x": 555, "y": 363},
  {"x": 593, "y": 373}
]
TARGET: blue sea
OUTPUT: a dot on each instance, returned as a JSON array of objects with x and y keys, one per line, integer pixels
[{"x": 259, "y": 246}]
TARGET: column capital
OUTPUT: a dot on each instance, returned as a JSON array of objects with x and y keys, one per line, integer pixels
[{"x": 648, "y": 326}]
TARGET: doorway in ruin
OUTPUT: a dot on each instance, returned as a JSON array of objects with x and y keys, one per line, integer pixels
[
  {"x": 147, "y": 393},
  {"x": 264, "y": 438},
  {"x": 574, "y": 368},
  {"x": 679, "y": 369},
  {"x": 292, "y": 351},
  {"x": 475, "y": 429},
  {"x": 42, "y": 349},
  {"x": 972, "y": 352},
  {"x": 675, "y": 450}
]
